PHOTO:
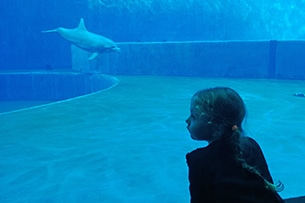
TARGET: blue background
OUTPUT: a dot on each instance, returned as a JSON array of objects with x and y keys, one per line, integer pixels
[{"x": 23, "y": 46}]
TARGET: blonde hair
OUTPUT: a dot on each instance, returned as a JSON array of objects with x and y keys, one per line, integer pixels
[{"x": 226, "y": 109}]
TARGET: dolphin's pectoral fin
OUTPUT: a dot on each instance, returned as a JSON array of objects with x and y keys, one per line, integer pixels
[
  {"x": 116, "y": 49},
  {"x": 93, "y": 56}
]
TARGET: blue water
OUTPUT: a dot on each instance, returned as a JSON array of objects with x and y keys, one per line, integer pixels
[
  {"x": 109, "y": 147},
  {"x": 128, "y": 144},
  {"x": 23, "y": 46}
]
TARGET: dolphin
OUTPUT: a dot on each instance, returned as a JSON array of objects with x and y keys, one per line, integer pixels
[{"x": 86, "y": 40}]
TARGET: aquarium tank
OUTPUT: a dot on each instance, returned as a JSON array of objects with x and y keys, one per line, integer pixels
[{"x": 94, "y": 94}]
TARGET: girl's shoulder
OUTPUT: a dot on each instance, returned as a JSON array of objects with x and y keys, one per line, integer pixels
[
  {"x": 205, "y": 154},
  {"x": 249, "y": 145}
]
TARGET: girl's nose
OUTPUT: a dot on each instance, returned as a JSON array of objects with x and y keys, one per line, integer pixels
[{"x": 187, "y": 120}]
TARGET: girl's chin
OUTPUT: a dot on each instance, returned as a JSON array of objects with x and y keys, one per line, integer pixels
[
  {"x": 198, "y": 139},
  {"x": 194, "y": 138}
]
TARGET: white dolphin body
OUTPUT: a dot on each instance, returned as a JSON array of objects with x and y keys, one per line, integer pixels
[{"x": 86, "y": 40}]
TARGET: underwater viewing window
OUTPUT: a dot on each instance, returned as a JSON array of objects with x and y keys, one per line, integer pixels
[{"x": 94, "y": 94}]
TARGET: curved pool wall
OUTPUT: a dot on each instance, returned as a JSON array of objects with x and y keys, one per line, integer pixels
[
  {"x": 270, "y": 59},
  {"x": 51, "y": 86}
]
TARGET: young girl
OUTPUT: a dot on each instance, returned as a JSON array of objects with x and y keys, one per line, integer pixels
[{"x": 232, "y": 168}]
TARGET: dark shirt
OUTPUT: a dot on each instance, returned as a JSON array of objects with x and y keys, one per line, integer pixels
[{"x": 215, "y": 176}]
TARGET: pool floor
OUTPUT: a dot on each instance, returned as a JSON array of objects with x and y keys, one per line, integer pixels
[
  {"x": 128, "y": 144},
  {"x": 8, "y": 106}
]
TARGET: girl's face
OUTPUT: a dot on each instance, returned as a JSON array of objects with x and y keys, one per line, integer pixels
[{"x": 198, "y": 124}]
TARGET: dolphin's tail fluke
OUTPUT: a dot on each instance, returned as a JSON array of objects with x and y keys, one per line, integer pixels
[{"x": 45, "y": 31}]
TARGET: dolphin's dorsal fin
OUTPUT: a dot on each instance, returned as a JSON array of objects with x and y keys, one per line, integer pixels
[{"x": 81, "y": 25}]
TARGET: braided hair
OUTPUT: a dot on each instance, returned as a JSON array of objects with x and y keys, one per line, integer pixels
[{"x": 226, "y": 110}]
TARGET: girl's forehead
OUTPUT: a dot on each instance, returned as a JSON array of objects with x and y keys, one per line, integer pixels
[
  {"x": 195, "y": 101},
  {"x": 195, "y": 106}
]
